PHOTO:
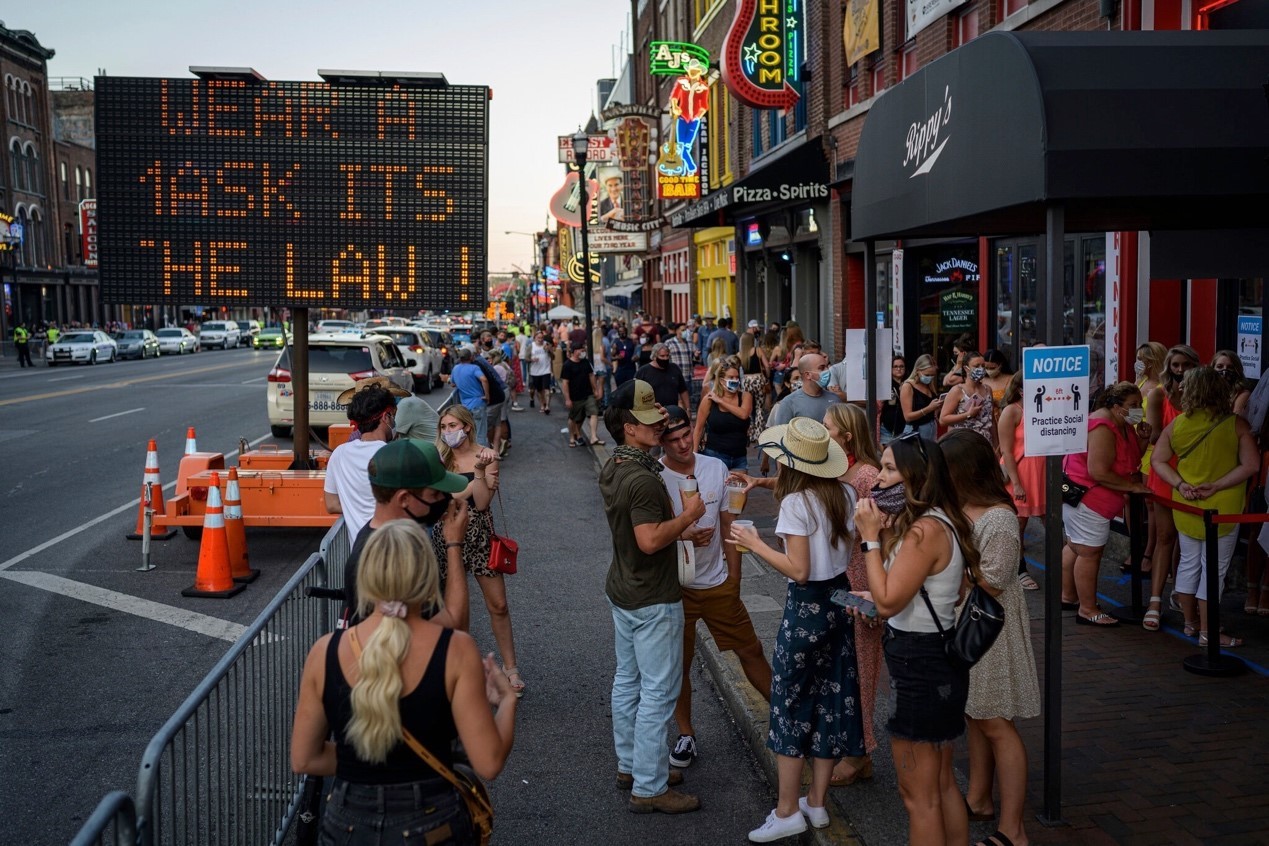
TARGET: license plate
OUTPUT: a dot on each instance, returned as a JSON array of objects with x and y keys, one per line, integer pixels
[{"x": 325, "y": 401}]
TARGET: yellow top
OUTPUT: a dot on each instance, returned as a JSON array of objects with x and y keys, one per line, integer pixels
[{"x": 1207, "y": 461}]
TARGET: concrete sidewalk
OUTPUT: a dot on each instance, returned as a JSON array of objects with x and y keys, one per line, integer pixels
[{"x": 1150, "y": 753}]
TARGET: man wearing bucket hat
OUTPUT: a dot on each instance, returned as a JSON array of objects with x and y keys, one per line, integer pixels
[
  {"x": 713, "y": 592},
  {"x": 643, "y": 591},
  {"x": 372, "y": 407},
  {"x": 815, "y": 710}
]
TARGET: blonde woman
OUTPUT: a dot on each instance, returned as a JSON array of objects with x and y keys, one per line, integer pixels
[
  {"x": 918, "y": 398},
  {"x": 393, "y": 673},
  {"x": 462, "y": 455},
  {"x": 1148, "y": 367},
  {"x": 723, "y": 417}
]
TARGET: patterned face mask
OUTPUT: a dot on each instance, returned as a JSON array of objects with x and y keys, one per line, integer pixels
[{"x": 891, "y": 500}]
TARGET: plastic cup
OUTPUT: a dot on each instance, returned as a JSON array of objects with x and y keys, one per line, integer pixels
[
  {"x": 688, "y": 488},
  {"x": 740, "y": 524},
  {"x": 736, "y": 497}
]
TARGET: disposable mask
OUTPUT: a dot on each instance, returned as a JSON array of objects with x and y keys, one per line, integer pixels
[
  {"x": 1136, "y": 415},
  {"x": 978, "y": 373},
  {"x": 732, "y": 384},
  {"x": 453, "y": 437},
  {"x": 891, "y": 500},
  {"x": 825, "y": 378},
  {"x": 1139, "y": 368},
  {"x": 435, "y": 511},
  {"x": 925, "y": 380}
]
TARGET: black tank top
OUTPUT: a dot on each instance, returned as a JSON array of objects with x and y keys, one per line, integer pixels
[
  {"x": 752, "y": 365},
  {"x": 725, "y": 432},
  {"x": 425, "y": 713}
]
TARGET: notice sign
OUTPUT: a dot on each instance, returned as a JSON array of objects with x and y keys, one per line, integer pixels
[
  {"x": 1250, "y": 327},
  {"x": 1055, "y": 400}
]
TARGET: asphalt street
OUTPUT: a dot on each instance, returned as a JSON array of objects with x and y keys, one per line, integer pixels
[{"x": 99, "y": 655}]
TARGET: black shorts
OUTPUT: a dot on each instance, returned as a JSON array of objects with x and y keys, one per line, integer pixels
[
  {"x": 928, "y": 693},
  {"x": 540, "y": 383}
]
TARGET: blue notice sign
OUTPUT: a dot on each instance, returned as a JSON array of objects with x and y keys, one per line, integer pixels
[
  {"x": 1250, "y": 329},
  {"x": 1055, "y": 400}
]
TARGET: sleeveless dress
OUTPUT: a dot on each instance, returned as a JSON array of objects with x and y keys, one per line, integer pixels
[
  {"x": 755, "y": 383},
  {"x": 1031, "y": 472},
  {"x": 476, "y": 543},
  {"x": 981, "y": 422},
  {"x": 1160, "y": 487},
  {"x": 929, "y": 426}
]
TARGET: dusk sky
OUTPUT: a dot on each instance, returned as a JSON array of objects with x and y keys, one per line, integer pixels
[{"x": 541, "y": 59}]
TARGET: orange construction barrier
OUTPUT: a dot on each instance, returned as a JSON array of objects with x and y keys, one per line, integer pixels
[
  {"x": 191, "y": 442},
  {"x": 214, "y": 576},
  {"x": 236, "y": 532},
  {"x": 151, "y": 485}
]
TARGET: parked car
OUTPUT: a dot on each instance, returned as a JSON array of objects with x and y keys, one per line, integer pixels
[
  {"x": 335, "y": 363},
  {"x": 220, "y": 333},
  {"x": 415, "y": 345},
  {"x": 88, "y": 346},
  {"x": 177, "y": 340},
  {"x": 137, "y": 343},
  {"x": 444, "y": 342},
  {"x": 272, "y": 337},
  {"x": 249, "y": 329},
  {"x": 327, "y": 327}
]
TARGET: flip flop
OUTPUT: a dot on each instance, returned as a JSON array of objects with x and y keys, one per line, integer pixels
[
  {"x": 995, "y": 839},
  {"x": 597, "y": 442},
  {"x": 974, "y": 816},
  {"x": 1099, "y": 619},
  {"x": 574, "y": 443}
]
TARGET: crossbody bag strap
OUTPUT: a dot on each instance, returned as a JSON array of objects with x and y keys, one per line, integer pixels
[
  {"x": 924, "y": 595},
  {"x": 1202, "y": 437},
  {"x": 410, "y": 740}
]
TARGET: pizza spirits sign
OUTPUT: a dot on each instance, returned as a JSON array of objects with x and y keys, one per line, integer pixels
[{"x": 762, "y": 59}]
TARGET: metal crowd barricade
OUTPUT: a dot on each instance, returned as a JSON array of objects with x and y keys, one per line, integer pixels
[
  {"x": 1212, "y": 661},
  {"x": 113, "y": 823}
]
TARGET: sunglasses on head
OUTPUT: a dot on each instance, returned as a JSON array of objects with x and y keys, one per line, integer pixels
[{"x": 920, "y": 443}]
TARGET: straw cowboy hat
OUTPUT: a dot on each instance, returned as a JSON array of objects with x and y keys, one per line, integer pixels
[
  {"x": 803, "y": 444},
  {"x": 379, "y": 381}
]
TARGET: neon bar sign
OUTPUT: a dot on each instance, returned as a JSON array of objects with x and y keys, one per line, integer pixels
[{"x": 762, "y": 54}]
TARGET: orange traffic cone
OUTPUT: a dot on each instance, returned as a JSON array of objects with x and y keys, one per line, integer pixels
[
  {"x": 236, "y": 532},
  {"x": 191, "y": 443},
  {"x": 214, "y": 577},
  {"x": 151, "y": 485}
]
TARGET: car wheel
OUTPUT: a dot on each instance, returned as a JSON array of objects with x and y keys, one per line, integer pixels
[
  {"x": 427, "y": 383},
  {"x": 280, "y": 431}
]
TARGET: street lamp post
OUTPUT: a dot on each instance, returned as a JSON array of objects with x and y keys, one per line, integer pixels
[
  {"x": 531, "y": 281},
  {"x": 580, "y": 143}
]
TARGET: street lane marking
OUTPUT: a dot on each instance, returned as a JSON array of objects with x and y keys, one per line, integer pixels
[
  {"x": 145, "y": 608},
  {"x": 116, "y": 414},
  {"x": 254, "y": 381},
  {"x": 65, "y": 378},
  {"x": 36, "y": 550},
  {"x": 122, "y": 384}
]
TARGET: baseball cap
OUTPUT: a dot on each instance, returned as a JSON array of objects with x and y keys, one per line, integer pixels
[
  {"x": 637, "y": 397},
  {"x": 408, "y": 464},
  {"x": 676, "y": 418},
  {"x": 753, "y": 324}
]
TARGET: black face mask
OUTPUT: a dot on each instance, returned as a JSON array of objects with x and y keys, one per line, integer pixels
[
  {"x": 435, "y": 511},
  {"x": 891, "y": 500}
]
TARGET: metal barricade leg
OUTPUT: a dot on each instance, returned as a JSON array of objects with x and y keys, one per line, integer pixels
[
  {"x": 1211, "y": 661},
  {"x": 1135, "y": 611}
]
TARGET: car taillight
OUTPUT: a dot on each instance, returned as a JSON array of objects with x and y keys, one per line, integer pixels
[
  {"x": 279, "y": 374},
  {"x": 362, "y": 374},
  {"x": 416, "y": 348},
  {"x": 444, "y": 350}
]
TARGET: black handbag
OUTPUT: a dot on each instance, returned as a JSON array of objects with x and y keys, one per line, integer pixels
[
  {"x": 980, "y": 624},
  {"x": 1072, "y": 492}
]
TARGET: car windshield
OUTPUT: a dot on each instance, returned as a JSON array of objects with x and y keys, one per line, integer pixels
[
  {"x": 332, "y": 359},
  {"x": 270, "y": 331},
  {"x": 133, "y": 336},
  {"x": 170, "y": 333},
  {"x": 399, "y": 336},
  {"x": 78, "y": 338},
  {"x": 215, "y": 327}
]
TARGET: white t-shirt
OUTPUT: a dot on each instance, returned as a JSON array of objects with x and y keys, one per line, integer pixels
[
  {"x": 347, "y": 477},
  {"x": 540, "y": 364},
  {"x": 522, "y": 345},
  {"x": 711, "y": 481},
  {"x": 802, "y": 514}
]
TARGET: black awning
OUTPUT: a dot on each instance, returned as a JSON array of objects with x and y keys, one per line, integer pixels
[
  {"x": 1126, "y": 130},
  {"x": 798, "y": 177}
]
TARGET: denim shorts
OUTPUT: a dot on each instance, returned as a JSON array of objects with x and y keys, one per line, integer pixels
[
  {"x": 733, "y": 462},
  {"x": 429, "y": 811},
  {"x": 928, "y": 694}
]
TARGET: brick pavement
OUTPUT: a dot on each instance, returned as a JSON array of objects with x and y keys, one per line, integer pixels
[{"x": 1151, "y": 754}]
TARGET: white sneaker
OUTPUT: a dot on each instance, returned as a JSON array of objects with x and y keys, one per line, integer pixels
[
  {"x": 778, "y": 828},
  {"x": 817, "y": 816}
]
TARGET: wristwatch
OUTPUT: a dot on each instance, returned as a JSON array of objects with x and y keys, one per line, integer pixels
[{"x": 867, "y": 546}]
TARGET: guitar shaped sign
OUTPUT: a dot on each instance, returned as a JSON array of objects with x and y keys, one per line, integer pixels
[{"x": 762, "y": 54}]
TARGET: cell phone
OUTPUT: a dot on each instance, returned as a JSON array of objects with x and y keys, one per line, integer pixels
[{"x": 846, "y": 599}]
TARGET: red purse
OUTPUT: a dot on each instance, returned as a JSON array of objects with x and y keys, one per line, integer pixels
[{"x": 503, "y": 551}]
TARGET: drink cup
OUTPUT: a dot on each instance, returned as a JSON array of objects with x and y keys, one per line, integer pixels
[
  {"x": 740, "y": 524},
  {"x": 736, "y": 497},
  {"x": 688, "y": 488}
]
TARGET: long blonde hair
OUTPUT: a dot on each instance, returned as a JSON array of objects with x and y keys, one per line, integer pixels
[
  {"x": 462, "y": 415},
  {"x": 923, "y": 362},
  {"x": 851, "y": 418},
  {"x": 397, "y": 565}
]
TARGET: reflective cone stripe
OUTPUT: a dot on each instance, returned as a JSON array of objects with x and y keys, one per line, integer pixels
[
  {"x": 191, "y": 443},
  {"x": 236, "y": 532},
  {"x": 151, "y": 475},
  {"x": 214, "y": 577}
]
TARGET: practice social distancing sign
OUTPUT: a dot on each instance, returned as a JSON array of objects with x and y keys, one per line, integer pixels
[{"x": 1055, "y": 400}]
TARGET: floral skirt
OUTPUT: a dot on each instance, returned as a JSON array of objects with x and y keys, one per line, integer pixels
[{"x": 815, "y": 707}]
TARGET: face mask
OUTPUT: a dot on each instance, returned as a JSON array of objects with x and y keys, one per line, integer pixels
[
  {"x": 453, "y": 437},
  {"x": 994, "y": 373},
  {"x": 978, "y": 373},
  {"x": 825, "y": 378},
  {"x": 435, "y": 511},
  {"x": 925, "y": 380},
  {"x": 1136, "y": 415},
  {"x": 1229, "y": 374},
  {"x": 732, "y": 384},
  {"x": 891, "y": 500},
  {"x": 1139, "y": 368}
]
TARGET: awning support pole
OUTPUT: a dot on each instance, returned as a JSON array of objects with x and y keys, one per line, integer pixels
[{"x": 870, "y": 331}]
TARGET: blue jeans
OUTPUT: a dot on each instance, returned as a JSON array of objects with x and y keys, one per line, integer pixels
[
  {"x": 481, "y": 414},
  {"x": 645, "y": 687},
  {"x": 733, "y": 462}
]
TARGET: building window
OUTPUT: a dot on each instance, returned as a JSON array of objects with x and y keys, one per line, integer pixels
[
  {"x": 36, "y": 177},
  {"x": 16, "y": 165},
  {"x": 79, "y": 183},
  {"x": 65, "y": 182},
  {"x": 719, "y": 118},
  {"x": 24, "y": 252},
  {"x": 966, "y": 29},
  {"x": 908, "y": 64},
  {"x": 1008, "y": 7},
  {"x": 850, "y": 96},
  {"x": 877, "y": 73},
  {"x": 35, "y": 235},
  {"x": 88, "y": 184}
]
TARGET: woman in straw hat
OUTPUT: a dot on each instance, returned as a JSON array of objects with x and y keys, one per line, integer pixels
[{"x": 815, "y": 710}]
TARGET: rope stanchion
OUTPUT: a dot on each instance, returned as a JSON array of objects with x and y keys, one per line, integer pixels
[
  {"x": 1211, "y": 661},
  {"x": 1135, "y": 611}
]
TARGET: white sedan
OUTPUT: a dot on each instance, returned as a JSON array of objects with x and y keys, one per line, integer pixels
[
  {"x": 179, "y": 341},
  {"x": 88, "y": 347}
]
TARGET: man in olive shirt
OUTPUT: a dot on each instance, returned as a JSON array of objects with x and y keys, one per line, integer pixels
[{"x": 647, "y": 602}]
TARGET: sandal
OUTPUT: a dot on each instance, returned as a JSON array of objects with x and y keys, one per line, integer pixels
[
  {"x": 1227, "y": 642},
  {"x": 861, "y": 768},
  {"x": 1190, "y": 628},
  {"x": 574, "y": 443},
  {"x": 1099, "y": 619},
  {"x": 975, "y": 816},
  {"x": 996, "y": 838},
  {"x": 597, "y": 442},
  {"x": 1150, "y": 622},
  {"x": 1264, "y": 601},
  {"x": 516, "y": 680},
  {"x": 1027, "y": 582}
]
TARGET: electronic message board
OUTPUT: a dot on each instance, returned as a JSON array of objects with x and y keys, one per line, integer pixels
[{"x": 302, "y": 194}]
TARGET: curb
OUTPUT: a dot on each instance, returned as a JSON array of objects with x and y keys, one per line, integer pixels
[{"x": 750, "y": 712}]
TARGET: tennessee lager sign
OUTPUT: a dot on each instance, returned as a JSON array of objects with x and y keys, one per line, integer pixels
[{"x": 762, "y": 54}]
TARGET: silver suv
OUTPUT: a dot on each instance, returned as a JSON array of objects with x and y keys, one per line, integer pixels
[{"x": 220, "y": 333}]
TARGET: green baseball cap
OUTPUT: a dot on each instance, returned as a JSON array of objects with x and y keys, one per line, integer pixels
[{"x": 407, "y": 464}]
